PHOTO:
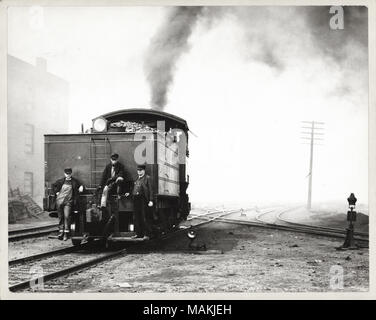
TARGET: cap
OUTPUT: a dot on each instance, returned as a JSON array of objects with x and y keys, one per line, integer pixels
[
  {"x": 68, "y": 170},
  {"x": 114, "y": 156},
  {"x": 141, "y": 167}
]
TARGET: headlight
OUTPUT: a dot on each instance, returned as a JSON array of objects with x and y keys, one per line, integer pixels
[
  {"x": 191, "y": 234},
  {"x": 100, "y": 125},
  {"x": 73, "y": 227}
]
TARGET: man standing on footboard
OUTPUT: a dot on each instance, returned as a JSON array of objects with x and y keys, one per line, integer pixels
[
  {"x": 66, "y": 190},
  {"x": 142, "y": 199}
]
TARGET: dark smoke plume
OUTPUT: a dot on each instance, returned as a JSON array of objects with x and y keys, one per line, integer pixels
[
  {"x": 274, "y": 36},
  {"x": 167, "y": 46}
]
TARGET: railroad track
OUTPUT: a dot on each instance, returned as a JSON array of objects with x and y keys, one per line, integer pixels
[
  {"x": 43, "y": 255},
  {"x": 19, "y": 234},
  {"x": 264, "y": 213},
  {"x": 65, "y": 261},
  {"x": 14, "y": 235},
  {"x": 323, "y": 228},
  {"x": 32, "y": 271},
  {"x": 292, "y": 227},
  {"x": 204, "y": 215}
]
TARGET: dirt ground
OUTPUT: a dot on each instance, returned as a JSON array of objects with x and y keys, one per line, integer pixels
[
  {"x": 238, "y": 259},
  {"x": 26, "y": 247}
]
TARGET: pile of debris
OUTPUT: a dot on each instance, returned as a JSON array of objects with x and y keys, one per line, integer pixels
[
  {"x": 21, "y": 206},
  {"x": 130, "y": 126}
]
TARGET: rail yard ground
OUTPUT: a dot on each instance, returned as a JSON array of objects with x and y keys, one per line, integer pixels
[{"x": 239, "y": 258}]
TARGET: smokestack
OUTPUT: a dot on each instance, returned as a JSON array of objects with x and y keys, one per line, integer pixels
[{"x": 166, "y": 47}]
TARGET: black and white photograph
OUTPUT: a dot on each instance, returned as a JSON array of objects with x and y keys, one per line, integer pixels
[{"x": 186, "y": 149}]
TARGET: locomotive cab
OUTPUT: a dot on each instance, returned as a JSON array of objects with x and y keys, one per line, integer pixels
[{"x": 156, "y": 139}]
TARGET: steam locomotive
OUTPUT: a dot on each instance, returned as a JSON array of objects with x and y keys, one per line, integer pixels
[{"x": 154, "y": 138}]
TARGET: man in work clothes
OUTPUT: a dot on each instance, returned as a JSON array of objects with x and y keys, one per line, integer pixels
[
  {"x": 66, "y": 190},
  {"x": 142, "y": 199},
  {"x": 113, "y": 176}
]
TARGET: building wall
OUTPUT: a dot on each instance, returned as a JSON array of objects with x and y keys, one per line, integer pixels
[{"x": 37, "y": 105}]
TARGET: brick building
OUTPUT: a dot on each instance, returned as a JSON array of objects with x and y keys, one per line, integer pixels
[{"x": 37, "y": 104}]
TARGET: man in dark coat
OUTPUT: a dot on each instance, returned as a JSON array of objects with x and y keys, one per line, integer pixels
[
  {"x": 113, "y": 176},
  {"x": 67, "y": 190},
  {"x": 142, "y": 199}
]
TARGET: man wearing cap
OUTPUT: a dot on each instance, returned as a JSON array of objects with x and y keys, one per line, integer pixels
[
  {"x": 66, "y": 190},
  {"x": 142, "y": 199},
  {"x": 113, "y": 176}
]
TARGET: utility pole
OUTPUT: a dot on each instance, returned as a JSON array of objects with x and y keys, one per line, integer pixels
[{"x": 314, "y": 128}]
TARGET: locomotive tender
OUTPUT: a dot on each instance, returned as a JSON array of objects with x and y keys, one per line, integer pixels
[{"x": 157, "y": 139}]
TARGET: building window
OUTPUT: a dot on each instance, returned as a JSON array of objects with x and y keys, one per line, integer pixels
[
  {"x": 28, "y": 183},
  {"x": 29, "y": 138}
]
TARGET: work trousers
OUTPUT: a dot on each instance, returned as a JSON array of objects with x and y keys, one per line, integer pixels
[
  {"x": 64, "y": 213},
  {"x": 109, "y": 226},
  {"x": 141, "y": 218}
]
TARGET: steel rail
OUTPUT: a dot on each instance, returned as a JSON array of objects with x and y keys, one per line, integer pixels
[
  {"x": 212, "y": 212},
  {"x": 286, "y": 228},
  {"x": 39, "y": 256},
  {"x": 219, "y": 218},
  {"x": 324, "y": 228},
  {"x": 197, "y": 216},
  {"x": 66, "y": 271},
  {"x": 303, "y": 229},
  {"x": 203, "y": 215},
  {"x": 23, "y": 230},
  {"x": 258, "y": 217},
  {"x": 14, "y": 235},
  {"x": 84, "y": 265}
]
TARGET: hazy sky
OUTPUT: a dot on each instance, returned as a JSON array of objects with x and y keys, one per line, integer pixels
[{"x": 244, "y": 80}]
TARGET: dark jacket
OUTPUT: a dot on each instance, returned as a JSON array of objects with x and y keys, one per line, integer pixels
[
  {"x": 56, "y": 187},
  {"x": 119, "y": 172},
  {"x": 143, "y": 187}
]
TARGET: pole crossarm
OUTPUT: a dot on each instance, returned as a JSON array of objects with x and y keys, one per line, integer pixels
[
  {"x": 310, "y": 122},
  {"x": 319, "y": 133},
  {"x": 311, "y": 138},
  {"x": 314, "y": 128},
  {"x": 315, "y": 144}
]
